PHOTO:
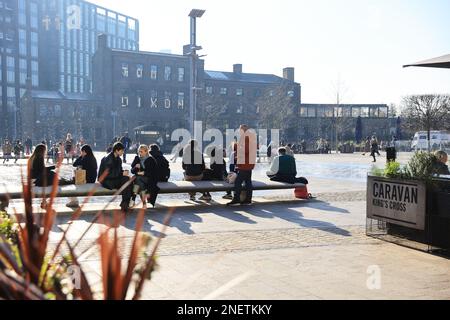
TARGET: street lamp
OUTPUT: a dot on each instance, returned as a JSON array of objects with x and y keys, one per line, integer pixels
[{"x": 194, "y": 14}]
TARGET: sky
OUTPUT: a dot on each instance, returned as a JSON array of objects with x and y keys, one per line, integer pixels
[{"x": 358, "y": 46}]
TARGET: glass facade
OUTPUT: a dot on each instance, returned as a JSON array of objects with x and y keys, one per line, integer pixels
[
  {"x": 78, "y": 24},
  {"x": 346, "y": 111}
]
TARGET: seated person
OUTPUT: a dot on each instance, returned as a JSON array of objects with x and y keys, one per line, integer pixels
[
  {"x": 162, "y": 162},
  {"x": 87, "y": 162},
  {"x": 193, "y": 164},
  {"x": 217, "y": 172},
  {"x": 283, "y": 168},
  {"x": 43, "y": 176},
  {"x": 145, "y": 168},
  {"x": 440, "y": 165},
  {"x": 116, "y": 177}
]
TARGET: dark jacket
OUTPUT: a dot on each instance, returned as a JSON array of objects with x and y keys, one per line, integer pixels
[
  {"x": 114, "y": 165},
  {"x": 90, "y": 165},
  {"x": 163, "y": 166},
  {"x": 190, "y": 167},
  {"x": 219, "y": 170},
  {"x": 44, "y": 175},
  {"x": 441, "y": 168}
]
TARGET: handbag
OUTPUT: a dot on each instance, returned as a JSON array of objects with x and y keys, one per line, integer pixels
[
  {"x": 231, "y": 178},
  {"x": 80, "y": 176}
]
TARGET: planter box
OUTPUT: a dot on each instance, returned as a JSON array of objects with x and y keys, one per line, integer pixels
[{"x": 412, "y": 211}]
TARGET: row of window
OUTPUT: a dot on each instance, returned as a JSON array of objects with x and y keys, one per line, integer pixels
[
  {"x": 344, "y": 112},
  {"x": 153, "y": 72},
  {"x": 209, "y": 90},
  {"x": 74, "y": 84},
  {"x": 154, "y": 101},
  {"x": 82, "y": 112}
]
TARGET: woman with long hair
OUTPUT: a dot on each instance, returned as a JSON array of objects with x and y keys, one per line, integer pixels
[{"x": 41, "y": 175}]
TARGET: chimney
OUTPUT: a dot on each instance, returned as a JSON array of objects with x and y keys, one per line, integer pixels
[
  {"x": 237, "y": 68},
  {"x": 102, "y": 41},
  {"x": 289, "y": 74}
]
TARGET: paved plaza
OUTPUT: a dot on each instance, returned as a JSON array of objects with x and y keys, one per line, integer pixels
[{"x": 278, "y": 248}]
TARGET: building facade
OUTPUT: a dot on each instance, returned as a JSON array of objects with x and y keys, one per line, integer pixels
[
  {"x": 51, "y": 43},
  {"x": 330, "y": 120},
  {"x": 145, "y": 93},
  {"x": 19, "y": 60},
  {"x": 232, "y": 98},
  {"x": 50, "y": 115}
]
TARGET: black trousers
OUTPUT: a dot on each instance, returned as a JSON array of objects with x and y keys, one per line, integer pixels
[
  {"x": 243, "y": 176},
  {"x": 117, "y": 183}
]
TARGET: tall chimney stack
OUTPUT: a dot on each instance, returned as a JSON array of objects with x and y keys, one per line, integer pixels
[{"x": 289, "y": 74}]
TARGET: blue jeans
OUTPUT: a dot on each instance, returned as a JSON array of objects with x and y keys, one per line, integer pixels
[{"x": 243, "y": 176}]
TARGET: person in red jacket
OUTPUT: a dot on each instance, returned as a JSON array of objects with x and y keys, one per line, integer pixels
[{"x": 246, "y": 160}]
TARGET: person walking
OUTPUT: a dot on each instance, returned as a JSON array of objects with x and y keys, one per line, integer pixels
[
  {"x": 7, "y": 150},
  {"x": 28, "y": 146},
  {"x": 374, "y": 148},
  {"x": 246, "y": 160},
  {"x": 68, "y": 147},
  {"x": 18, "y": 149}
]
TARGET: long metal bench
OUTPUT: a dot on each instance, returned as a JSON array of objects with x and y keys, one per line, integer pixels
[{"x": 7, "y": 193}]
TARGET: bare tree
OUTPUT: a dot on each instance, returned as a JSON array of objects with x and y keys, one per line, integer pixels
[
  {"x": 427, "y": 112},
  {"x": 276, "y": 107}
]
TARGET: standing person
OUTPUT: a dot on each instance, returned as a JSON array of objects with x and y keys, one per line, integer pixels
[
  {"x": 7, "y": 150},
  {"x": 116, "y": 176},
  {"x": 126, "y": 142},
  {"x": 69, "y": 147},
  {"x": 246, "y": 160},
  {"x": 193, "y": 164},
  {"x": 18, "y": 149},
  {"x": 28, "y": 146},
  {"x": 374, "y": 148},
  {"x": 86, "y": 161}
]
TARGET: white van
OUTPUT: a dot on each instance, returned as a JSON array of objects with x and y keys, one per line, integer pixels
[{"x": 439, "y": 140}]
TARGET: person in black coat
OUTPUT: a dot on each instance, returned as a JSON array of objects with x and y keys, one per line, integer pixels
[
  {"x": 87, "y": 162},
  {"x": 162, "y": 162},
  {"x": 145, "y": 168},
  {"x": 116, "y": 177}
]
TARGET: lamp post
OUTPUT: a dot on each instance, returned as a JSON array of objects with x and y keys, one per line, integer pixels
[{"x": 194, "y": 14}]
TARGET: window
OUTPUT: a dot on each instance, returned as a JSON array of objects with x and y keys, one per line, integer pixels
[
  {"x": 223, "y": 91},
  {"x": 34, "y": 51},
  {"x": 364, "y": 112},
  {"x": 383, "y": 112},
  {"x": 239, "y": 92},
  {"x": 153, "y": 72},
  {"x": 167, "y": 73},
  {"x": 338, "y": 112},
  {"x": 139, "y": 70},
  {"x": 10, "y": 76},
  {"x": 180, "y": 74},
  {"x": 57, "y": 111},
  {"x": 180, "y": 100},
  {"x": 209, "y": 90},
  {"x": 139, "y": 100},
  {"x": 125, "y": 70},
  {"x": 239, "y": 109},
  {"x": 374, "y": 112},
  {"x": 303, "y": 112},
  {"x": 311, "y": 112},
  {"x": 124, "y": 101},
  {"x": 356, "y": 112},
  {"x": 290, "y": 94},
  {"x": 347, "y": 112}
]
